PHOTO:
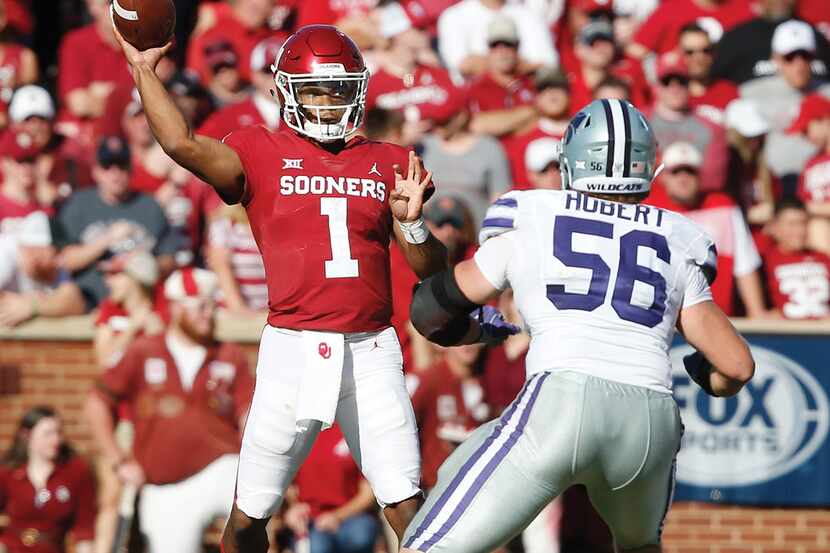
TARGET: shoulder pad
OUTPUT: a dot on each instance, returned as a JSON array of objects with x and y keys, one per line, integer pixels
[{"x": 502, "y": 216}]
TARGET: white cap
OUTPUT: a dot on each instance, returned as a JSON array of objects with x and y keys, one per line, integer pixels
[
  {"x": 744, "y": 116},
  {"x": 143, "y": 267},
  {"x": 541, "y": 153},
  {"x": 33, "y": 230},
  {"x": 191, "y": 282},
  {"x": 265, "y": 53},
  {"x": 393, "y": 20},
  {"x": 792, "y": 36},
  {"x": 502, "y": 29},
  {"x": 682, "y": 154},
  {"x": 31, "y": 100}
]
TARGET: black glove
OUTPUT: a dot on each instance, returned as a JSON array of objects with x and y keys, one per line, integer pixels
[{"x": 700, "y": 370}]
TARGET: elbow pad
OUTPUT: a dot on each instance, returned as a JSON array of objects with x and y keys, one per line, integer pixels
[{"x": 439, "y": 310}]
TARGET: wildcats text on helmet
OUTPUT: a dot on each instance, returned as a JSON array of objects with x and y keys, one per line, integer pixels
[{"x": 348, "y": 186}]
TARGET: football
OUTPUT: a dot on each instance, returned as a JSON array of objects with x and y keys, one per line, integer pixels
[{"x": 145, "y": 23}]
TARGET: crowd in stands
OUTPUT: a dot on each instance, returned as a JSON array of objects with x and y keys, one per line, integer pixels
[{"x": 95, "y": 218}]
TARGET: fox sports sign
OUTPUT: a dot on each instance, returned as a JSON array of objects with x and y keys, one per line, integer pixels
[{"x": 773, "y": 426}]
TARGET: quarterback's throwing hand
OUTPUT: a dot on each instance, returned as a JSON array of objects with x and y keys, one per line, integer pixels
[
  {"x": 135, "y": 58},
  {"x": 407, "y": 199}
]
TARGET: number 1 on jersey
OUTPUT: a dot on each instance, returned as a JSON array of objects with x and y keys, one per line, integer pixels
[{"x": 341, "y": 264}]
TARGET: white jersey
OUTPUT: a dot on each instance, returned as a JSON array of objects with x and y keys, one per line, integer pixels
[{"x": 598, "y": 283}]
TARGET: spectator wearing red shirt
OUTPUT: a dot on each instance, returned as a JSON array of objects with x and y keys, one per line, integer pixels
[
  {"x": 738, "y": 260},
  {"x": 673, "y": 120},
  {"x": 232, "y": 253},
  {"x": 707, "y": 96},
  {"x": 658, "y": 33},
  {"x": 18, "y": 67},
  {"x": 189, "y": 396},
  {"x": 553, "y": 115},
  {"x": 61, "y": 166},
  {"x": 334, "y": 502},
  {"x": 449, "y": 403},
  {"x": 814, "y": 183},
  {"x": 578, "y": 14},
  {"x": 244, "y": 26},
  {"x": 18, "y": 192},
  {"x": 225, "y": 84},
  {"x": 260, "y": 108},
  {"x": 45, "y": 490},
  {"x": 597, "y": 54},
  {"x": 91, "y": 65},
  {"x": 504, "y": 366},
  {"x": 129, "y": 312},
  {"x": 501, "y": 100},
  {"x": 798, "y": 278},
  {"x": 354, "y": 17},
  {"x": 407, "y": 81}
]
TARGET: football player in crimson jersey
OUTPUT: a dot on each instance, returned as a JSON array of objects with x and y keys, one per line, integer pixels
[{"x": 322, "y": 212}]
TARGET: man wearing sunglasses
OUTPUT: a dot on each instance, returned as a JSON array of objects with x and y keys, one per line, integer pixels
[
  {"x": 110, "y": 219},
  {"x": 501, "y": 99},
  {"x": 707, "y": 95},
  {"x": 673, "y": 120},
  {"x": 778, "y": 97}
]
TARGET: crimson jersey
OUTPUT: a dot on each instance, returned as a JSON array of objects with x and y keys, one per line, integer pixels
[
  {"x": 712, "y": 103},
  {"x": 322, "y": 222},
  {"x": 488, "y": 95},
  {"x": 814, "y": 183},
  {"x": 66, "y": 504},
  {"x": 417, "y": 94},
  {"x": 798, "y": 283}
]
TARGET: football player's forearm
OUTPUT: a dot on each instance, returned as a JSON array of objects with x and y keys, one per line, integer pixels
[
  {"x": 166, "y": 121},
  {"x": 425, "y": 259}
]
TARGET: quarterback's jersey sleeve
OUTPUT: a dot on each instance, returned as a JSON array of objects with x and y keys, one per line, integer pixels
[
  {"x": 493, "y": 259},
  {"x": 244, "y": 142},
  {"x": 501, "y": 217}
]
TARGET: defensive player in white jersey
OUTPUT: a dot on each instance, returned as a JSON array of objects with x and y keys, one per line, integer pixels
[{"x": 602, "y": 281}]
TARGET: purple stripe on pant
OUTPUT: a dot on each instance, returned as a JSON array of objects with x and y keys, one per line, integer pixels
[{"x": 491, "y": 466}]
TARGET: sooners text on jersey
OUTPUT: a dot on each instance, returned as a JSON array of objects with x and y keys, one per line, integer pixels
[{"x": 322, "y": 222}]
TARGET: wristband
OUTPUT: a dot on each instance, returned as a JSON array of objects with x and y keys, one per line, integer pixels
[{"x": 415, "y": 232}]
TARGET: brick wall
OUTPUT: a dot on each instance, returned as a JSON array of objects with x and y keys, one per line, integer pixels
[
  {"x": 60, "y": 372},
  {"x": 706, "y": 528}
]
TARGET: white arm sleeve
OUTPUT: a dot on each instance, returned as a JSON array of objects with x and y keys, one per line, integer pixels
[
  {"x": 696, "y": 288},
  {"x": 493, "y": 259},
  {"x": 746, "y": 254}
]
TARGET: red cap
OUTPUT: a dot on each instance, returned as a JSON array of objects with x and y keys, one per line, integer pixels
[
  {"x": 19, "y": 146},
  {"x": 591, "y": 6},
  {"x": 672, "y": 63},
  {"x": 812, "y": 107},
  {"x": 455, "y": 103}
]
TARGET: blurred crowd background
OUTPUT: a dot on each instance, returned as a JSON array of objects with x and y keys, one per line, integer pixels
[{"x": 94, "y": 217}]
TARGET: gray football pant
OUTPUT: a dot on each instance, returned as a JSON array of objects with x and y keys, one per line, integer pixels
[{"x": 564, "y": 428}]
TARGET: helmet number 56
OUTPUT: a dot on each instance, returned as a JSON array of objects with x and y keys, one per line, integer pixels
[
  {"x": 341, "y": 264},
  {"x": 629, "y": 271}
]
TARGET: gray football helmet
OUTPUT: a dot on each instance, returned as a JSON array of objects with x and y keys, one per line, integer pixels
[{"x": 608, "y": 148}]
